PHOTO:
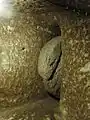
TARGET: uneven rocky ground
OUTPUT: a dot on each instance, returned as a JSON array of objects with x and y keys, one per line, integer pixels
[{"x": 35, "y": 109}]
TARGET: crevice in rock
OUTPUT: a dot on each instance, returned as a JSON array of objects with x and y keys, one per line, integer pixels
[{"x": 52, "y": 75}]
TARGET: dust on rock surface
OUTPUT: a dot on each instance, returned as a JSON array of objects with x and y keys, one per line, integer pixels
[
  {"x": 34, "y": 109},
  {"x": 41, "y": 25},
  {"x": 48, "y": 62},
  {"x": 21, "y": 38},
  {"x": 75, "y": 80}
]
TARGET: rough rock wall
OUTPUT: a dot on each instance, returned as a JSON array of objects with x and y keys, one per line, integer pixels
[
  {"x": 75, "y": 77},
  {"x": 75, "y": 87},
  {"x": 21, "y": 37},
  {"x": 75, "y": 30}
]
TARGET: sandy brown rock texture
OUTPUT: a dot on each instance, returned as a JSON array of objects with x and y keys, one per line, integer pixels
[
  {"x": 75, "y": 86},
  {"x": 22, "y": 34},
  {"x": 42, "y": 109},
  {"x": 21, "y": 38},
  {"x": 49, "y": 65}
]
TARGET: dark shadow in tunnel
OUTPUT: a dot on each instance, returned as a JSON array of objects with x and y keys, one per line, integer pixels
[
  {"x": 55, "y": 28},
  {"x": 79, "y": 7},
  {"x": 54, "y": 97}
]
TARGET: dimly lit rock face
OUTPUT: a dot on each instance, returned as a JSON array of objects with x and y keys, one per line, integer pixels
[
  {"x": 75, "y": 4},
  {"x": 75, "y": 89}
]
